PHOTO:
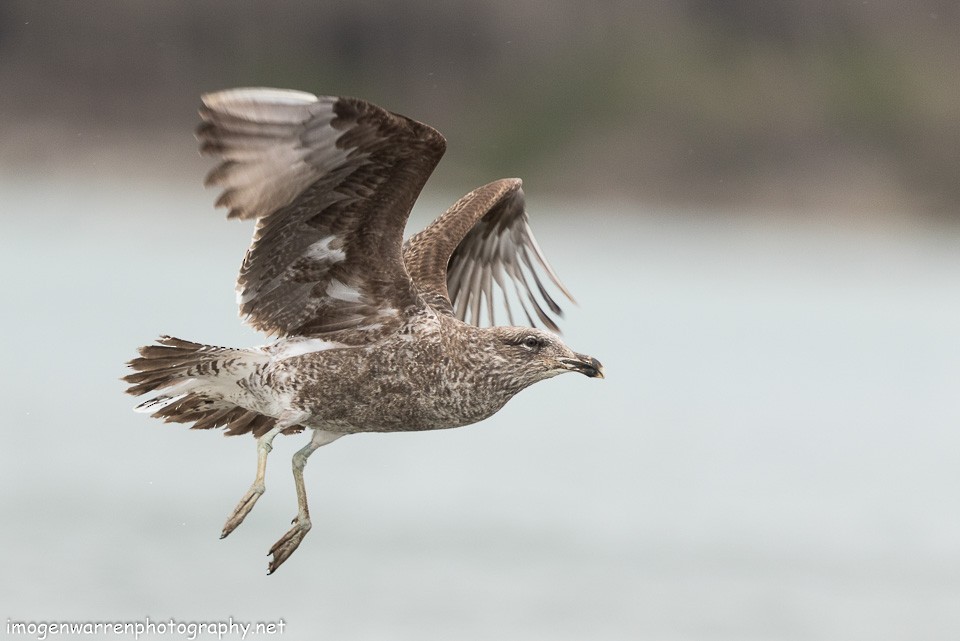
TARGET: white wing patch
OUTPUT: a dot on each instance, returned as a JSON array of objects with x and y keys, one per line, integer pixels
[
  {"x": 342, "y": 291},
  {"x": 321, "y": 251}
]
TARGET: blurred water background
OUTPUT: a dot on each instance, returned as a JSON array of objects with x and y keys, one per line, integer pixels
[{"x": 755, "y": 205}]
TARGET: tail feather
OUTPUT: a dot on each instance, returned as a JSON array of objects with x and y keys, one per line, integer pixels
[
  {"x": 187, "y": 376},
  {"x": 174, "y": 359}
]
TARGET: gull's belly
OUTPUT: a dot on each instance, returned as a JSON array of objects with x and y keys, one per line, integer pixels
[{"x": 391, "y": 392}]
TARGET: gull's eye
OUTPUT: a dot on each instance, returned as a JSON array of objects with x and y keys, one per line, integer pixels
[{"x": 532, "y": 342}]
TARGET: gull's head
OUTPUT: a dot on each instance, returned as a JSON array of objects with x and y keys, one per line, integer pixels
[{"x": 533, "y": 355}]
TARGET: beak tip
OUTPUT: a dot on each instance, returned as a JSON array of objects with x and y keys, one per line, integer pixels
[
  {"x": 597, "y": 368},
  {"x": 586, "y": 365}
]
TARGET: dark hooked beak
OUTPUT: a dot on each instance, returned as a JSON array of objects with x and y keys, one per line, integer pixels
[{"x": 586, "y": 365}]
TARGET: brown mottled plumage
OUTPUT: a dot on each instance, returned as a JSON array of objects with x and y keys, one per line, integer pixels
[{"x": 372, "y": 330}]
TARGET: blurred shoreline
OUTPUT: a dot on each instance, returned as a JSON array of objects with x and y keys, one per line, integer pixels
[
  {"x": 853, "y": 192},
  {"x": 812, "y": 105}
]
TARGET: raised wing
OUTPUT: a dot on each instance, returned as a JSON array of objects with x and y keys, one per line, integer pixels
[
  {"x": 331, "y": 182},
  {"x": 482, "y": 240}
]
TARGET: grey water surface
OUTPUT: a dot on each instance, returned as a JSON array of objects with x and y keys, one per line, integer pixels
[{"x": 775, "y": 453}]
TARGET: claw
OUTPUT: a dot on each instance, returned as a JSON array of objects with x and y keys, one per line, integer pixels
[
  {"x": 289, "y": 542},
  {"x": 242, "y": 510}
]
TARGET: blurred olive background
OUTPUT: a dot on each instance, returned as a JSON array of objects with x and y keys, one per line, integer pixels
[
  {"x": 841, "y": 105},
  {"x": 755, "y": 204}
]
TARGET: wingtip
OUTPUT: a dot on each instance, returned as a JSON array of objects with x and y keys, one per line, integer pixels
[
  {"x": 511, "y": 184},
  {"x": 229, "y": 101}
]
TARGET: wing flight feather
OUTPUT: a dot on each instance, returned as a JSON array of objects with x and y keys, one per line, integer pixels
[
  {"x": 330, "y": 182},
  {"x": 483, "y": 240}
]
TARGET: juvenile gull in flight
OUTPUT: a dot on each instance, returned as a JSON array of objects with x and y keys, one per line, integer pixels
[{"x": 375, "y": 334}]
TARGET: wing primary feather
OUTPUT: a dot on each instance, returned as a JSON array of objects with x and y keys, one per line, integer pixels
[
  {"x": 487, "y": 288},
  {"x": 552, "y": 304},
  {"x": 523, "y": 306},
  {"x": 532, "y": 300},
  {"x": 542, "y": 259},
  {"x": 498, "y": 277},
  {"x": 479, "y": 243},
  {"x": 462, "y": 301},
  {"x": 475, "y": 283}
]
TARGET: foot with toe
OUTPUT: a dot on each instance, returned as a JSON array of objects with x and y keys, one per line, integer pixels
[
  {"x": 243, "y": 509},
  {"x": 289, "y": 542}
]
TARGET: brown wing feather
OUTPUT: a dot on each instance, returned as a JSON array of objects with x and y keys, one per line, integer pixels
[
  {"x": 483, "y": 240},
  {"x": 331, "y": 182}
]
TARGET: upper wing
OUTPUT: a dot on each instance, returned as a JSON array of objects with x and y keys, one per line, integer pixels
[
  {"x": 331, "y": 182},
  {"x": 483, "y": 237}
]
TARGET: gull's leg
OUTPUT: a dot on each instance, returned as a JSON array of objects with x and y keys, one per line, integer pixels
[
  {"x": 257, "y": 488},
  {"x": 289, "y": 542}
]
